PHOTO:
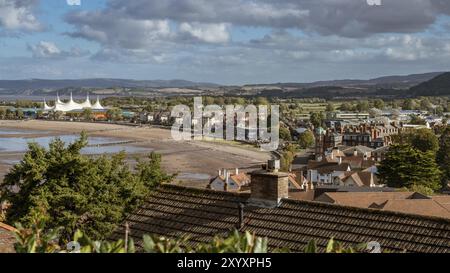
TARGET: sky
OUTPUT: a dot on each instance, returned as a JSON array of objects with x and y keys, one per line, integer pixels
[{"x": 223, "y": 41}]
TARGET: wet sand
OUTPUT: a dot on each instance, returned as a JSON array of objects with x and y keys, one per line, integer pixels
[{"x": 191, "y": 157}]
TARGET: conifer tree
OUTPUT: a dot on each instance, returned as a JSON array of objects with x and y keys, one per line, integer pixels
[
  {"x": 406, "y": 166},
  {"x": 76, "y": 191}
]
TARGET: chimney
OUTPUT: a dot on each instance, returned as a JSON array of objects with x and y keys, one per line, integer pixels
[
  {"x": 355, "y": 152},
  {"x": 269, "y": 186},
  {"x": 227, "y": 180},
  {"x": 220, "y": 172},
  {"x": 310, "y": 186},
  {"x": 240, "y": 224},
  {"x": 237, "y": 171},
  {"x": 302, "y": 178},
  {"x": 340, "y": 160}
]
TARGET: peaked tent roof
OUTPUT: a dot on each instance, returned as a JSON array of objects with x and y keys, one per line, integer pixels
[
  {"x": 97, "y": 105},
  {"x": 72, "y": 105},
  {"x": 87, "y": 103},
  {"x": 46, "y": 107}
]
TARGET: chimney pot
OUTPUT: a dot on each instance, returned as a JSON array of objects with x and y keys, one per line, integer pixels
[{"x": 273, "y": 165}]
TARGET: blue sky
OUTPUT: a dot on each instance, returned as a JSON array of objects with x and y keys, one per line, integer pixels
[{"x": 228, "y": 42}]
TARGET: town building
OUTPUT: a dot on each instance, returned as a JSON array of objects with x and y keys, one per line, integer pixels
[
  {"x": 354, "y": 116},
  {"x": 338, "y": 169},
  {"x": 369, "y": 135},
  {"x": 228, "y": 180}
]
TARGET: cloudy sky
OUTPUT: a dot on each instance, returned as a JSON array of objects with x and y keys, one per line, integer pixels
[{"x": 223, "y": 41}]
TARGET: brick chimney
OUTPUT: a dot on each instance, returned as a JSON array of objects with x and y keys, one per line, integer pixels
[
  {"x": 269, "y": 186},
  {"x": 227, "y": 180}
]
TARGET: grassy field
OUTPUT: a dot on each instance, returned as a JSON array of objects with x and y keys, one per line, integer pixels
[{"x": 302, "y": 110}]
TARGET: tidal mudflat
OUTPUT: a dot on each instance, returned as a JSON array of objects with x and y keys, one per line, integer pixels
[{"x": 194, "y": 161}]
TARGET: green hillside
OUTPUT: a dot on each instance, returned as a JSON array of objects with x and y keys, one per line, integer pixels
[{"x": 438, "y": 86}]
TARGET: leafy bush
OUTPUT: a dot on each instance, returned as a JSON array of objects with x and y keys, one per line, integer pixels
[{"x": 37, "y": 239}]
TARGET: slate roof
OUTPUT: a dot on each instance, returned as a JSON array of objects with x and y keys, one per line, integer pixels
[{"x": 175, "y": 211}]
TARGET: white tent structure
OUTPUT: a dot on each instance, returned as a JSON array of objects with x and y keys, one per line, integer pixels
[
  {"x": 97, "y": 105},
  {"x": 58, "y": 100},
  {"x": 87, "y": 103},
  {"x": 46, "y": 107},
  {"x": 72, "y": 105}
]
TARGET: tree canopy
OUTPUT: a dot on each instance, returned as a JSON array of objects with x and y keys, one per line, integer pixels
[
  {"x": 317, "y": 119},
  {"x": 285, "y": 134},
  {"x": 406, "y": 166},
  {"x": 421, "y": 139},
  {"x": 306, "y": 139},
  {"x": 443, "y": 155}
]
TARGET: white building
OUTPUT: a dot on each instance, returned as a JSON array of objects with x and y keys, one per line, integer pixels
[{"x": 72, "y": 105}]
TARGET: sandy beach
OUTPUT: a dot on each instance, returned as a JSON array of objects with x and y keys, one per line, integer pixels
[{"x": 191, "y": 158}]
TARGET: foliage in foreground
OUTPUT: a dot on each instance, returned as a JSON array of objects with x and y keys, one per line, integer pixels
[
  {"x": 37, "y": 239},
  {"x": 77, "y": 192}
]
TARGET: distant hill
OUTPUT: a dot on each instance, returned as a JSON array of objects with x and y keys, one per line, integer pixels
[
  {"x": 435, "y": 83},
  {"x": 387, "y": 87},
  {"x": 438, "y": 86},
  {"x": 405, "y": 81},
  {"x": 37, "y": 84}
]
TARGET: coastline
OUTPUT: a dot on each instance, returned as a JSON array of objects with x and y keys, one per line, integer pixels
[{"x": 192, "y": 157}]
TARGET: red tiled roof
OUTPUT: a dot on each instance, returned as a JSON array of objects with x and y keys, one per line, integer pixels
[
  {"x": 426, "y": 207},
  {"x": 362, "y": 199}
]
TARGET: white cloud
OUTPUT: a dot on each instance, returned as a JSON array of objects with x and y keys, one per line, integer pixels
[
  {"x": 17, "y": 15},
  {"x": 116, "y": 31},
  {"x": 45, "y": 49},
  {"x": 209, "y": 33},
  {"x": 349, "y": 18}
]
